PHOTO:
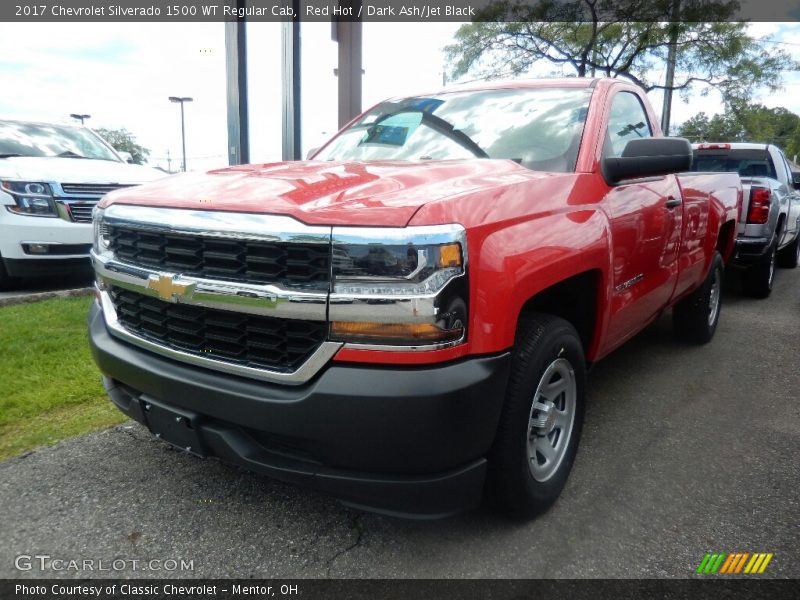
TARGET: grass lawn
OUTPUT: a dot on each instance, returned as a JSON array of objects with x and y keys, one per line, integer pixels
[{"x": 49, "y": 386}]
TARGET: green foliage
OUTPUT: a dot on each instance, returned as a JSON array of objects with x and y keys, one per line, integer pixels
[
  {"x": 628, "y": 39},
  {"x": 49, "y": 385},
  {"x": 744, "y": 122},
  {"x": 123, "y": 140}
]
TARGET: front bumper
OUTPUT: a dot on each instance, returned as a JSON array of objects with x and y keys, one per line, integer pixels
[{"x": 401, "y": 440}]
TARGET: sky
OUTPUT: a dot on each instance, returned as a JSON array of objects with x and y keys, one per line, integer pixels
[{"x": 123, "y": 73}]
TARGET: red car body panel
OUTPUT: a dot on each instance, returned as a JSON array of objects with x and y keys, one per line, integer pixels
[{"x": 526, "y": 231}]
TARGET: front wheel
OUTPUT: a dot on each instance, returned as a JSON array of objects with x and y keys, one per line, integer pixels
[
  {"x": 5, "y": 280},
  {"x": 695, "y": 318},
  {"x": 542, "y": 417}
]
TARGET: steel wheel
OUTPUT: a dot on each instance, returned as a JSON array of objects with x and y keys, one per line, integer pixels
[
  {"x": 714, "y": 297},
  {"x": 551, "y": 419}
]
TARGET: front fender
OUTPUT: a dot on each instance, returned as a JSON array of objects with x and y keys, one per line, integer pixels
[{"x": 516, "y": 262}]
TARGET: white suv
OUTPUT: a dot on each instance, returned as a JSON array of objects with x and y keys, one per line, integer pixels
[{"x": 51, "y": 176}]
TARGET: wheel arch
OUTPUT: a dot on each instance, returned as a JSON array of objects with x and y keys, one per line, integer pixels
[{"x": 576, "y": 299}]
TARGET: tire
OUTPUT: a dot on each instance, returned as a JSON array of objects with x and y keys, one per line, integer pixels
[
  {"x": 789, "y": 257},
  {"x": 5, "y": 280},
  {"x": 695, "y": 318},
  {"x": 523, "y": 482},
  {"x": 758, "y": 279}
]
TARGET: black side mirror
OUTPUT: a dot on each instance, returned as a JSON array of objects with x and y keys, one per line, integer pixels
[
  {"x": 796, "y": 180},
  {"x": 648, "y": 157}
]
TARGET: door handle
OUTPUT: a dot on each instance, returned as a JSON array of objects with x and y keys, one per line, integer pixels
[{"x": 672, "y": 202}]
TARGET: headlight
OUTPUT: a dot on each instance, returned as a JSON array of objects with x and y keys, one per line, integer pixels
[
  {"x": 31, "y": 198},
  {"x": 399, "y": 287},
  {"x": 101, "y": 239}
]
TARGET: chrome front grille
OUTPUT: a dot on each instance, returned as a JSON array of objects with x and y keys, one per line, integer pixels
[
  {"x": 259, "y": 342},
  {"x": 292, "y": 264},
  {"x": 81, "y": 211},
  {"x": 91, "y": 188},
  {"x": 245, "y": 294}
]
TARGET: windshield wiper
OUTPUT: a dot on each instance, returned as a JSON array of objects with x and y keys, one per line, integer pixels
[
  {"x": 446, "y": 129},
  {"x": 440, "y": 126},
  {"x": 10, "y": 155},
  {"x": 70, "y": 154}
]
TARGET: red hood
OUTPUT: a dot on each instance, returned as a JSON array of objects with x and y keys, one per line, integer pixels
[{"x": 323, "y": 193}]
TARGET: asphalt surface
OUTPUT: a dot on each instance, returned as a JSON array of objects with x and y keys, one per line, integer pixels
[{"x": 685, "y": 450}]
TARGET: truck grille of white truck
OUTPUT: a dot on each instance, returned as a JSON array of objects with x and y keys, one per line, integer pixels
[
  {"x": 99, "y": 189},
  {"x": 81, "y": 212}
]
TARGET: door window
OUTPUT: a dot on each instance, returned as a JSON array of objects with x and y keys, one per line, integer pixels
[{"x": 627, "y": 121}]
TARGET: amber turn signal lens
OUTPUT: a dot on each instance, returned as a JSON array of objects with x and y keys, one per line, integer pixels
[
  {"x": 397, "y": 333},
  {"x": 450, "y": 255}
]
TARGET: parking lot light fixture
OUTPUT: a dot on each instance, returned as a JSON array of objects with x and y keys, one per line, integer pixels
[
  {"x": 80, "y": 118},
  {"x": 181, "y": 100}
]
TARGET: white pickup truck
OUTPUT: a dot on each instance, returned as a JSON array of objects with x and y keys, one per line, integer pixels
[
  {"x": 51, "y": 176},
  {"x": 769, "y": 226}
]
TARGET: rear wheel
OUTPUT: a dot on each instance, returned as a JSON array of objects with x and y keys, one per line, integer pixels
[
  {"x": 695, "y": 317},
  {"x": 542, "y": 417},
  {"x": 758, "y": 279},
  {"x": 789, "y": 256}
]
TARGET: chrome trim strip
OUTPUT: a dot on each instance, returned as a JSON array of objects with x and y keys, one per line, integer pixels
[
  {"x": 216, "y": 224},
  {"x": 424, "y": 348},
  {"x": 383, "y": 309},
  {"x": 308, "y": 369},
  {"x": 266, "y": 300},
  {"x": 415, "y": 234}
]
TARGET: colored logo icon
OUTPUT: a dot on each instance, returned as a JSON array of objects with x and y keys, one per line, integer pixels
[{"x": 734, "y": 563}]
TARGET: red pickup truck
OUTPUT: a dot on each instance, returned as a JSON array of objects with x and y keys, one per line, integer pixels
[{"x": 405, "y": 321}]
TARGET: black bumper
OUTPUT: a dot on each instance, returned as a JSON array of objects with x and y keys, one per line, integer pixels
[
  {"x": 400, "y": 440},
  {"x": 46, "y": 267},
  {"x": 749, "y": 251}
]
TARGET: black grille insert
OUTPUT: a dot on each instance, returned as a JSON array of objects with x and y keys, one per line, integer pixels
[
  {"x": 260, "y": 262},
  {"x": 242, "y": 339}
]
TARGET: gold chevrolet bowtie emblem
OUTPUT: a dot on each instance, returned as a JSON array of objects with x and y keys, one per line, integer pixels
[{"x": 167, "y": 288}]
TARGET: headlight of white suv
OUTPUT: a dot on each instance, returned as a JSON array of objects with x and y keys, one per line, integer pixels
[
  {"x": 31, "y": 197},
  {"x": 399, "y": 286}
]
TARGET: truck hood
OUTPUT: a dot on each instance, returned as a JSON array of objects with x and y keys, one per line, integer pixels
[
  {"x": 325, "y": 193},
  {"x": 74, "y": 170}
]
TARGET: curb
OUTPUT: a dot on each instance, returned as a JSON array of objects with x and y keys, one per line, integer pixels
[{"x": 37, "y": 296}]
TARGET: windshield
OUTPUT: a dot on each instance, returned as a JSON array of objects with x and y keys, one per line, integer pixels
[
  {"x": 748, "y": 163},
  {"x": 539, "y": 128},
  {"x": 37, "y": 139}
]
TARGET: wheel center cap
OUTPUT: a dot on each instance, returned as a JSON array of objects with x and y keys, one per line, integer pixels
[{"x": 546, "y": 419}]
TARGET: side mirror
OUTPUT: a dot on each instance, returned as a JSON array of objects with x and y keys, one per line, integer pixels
[
  {"x": 311, "y": 152},
  {"x": 796, "y": 180},
  {"x": 648, "y": 157},
  {"x": 126, "y": 156}
]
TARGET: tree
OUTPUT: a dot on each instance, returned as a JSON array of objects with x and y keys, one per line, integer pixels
[
  {"x": 628, "y": 38},
  {"x": 124, "y": 141},
  {"x": 747, "y": 123}
]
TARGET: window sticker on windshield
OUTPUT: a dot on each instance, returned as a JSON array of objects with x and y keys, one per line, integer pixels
[
  {"x": 386, "y": 134},
  {"x": 426, "y": 105}
]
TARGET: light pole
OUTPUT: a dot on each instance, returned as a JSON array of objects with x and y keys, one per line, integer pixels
[
  {"x": 183, "y": 127},
  {"x": 81, "y": 118}
]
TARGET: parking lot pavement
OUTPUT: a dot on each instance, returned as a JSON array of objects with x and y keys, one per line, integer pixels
[{"x": 685, "y": 450}]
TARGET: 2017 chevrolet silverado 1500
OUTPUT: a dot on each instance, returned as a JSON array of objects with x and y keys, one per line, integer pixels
[
  {"x": 51, "y": 177},
  {"x": 769, "y": 229},
  {"x": 406, "y": 320}
]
